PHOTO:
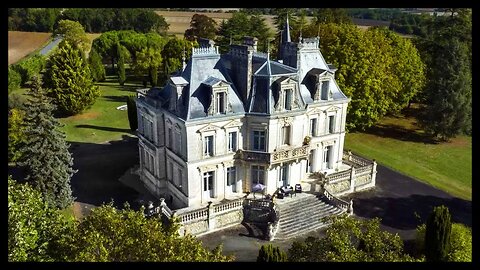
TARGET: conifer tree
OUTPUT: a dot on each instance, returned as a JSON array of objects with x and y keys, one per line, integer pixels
[
  {"x": 69, "y": 80},
  {"x": 45, "y": 155},
  {"x": 269, "y": 253},
  {"x": 96, "y": 66},
  {"x": 132, "y": 113},
  {"x": 437, "y": 235}
]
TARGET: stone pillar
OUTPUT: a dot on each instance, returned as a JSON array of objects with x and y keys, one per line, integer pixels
[
  {"x": 159, "y": 209},
  {"x": 349, "y": 155},
  {"x": 374, "y": 172},
  {"x": 350, "y": 208},
  {"x": 210, "y": 219},
  {"x": 352, "y": 179}
]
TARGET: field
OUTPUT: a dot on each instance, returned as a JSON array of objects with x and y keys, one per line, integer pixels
[
  {"x": 398, "y": 142},
  {"x": 102, "y": 122},
  {"x": 180, "y": 20},
  {"x": 20, "y": 44}
]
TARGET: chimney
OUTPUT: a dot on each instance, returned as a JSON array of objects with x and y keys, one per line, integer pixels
[
  {"x": 251, "y": 41},
  {"x": 205, "y": 42}
]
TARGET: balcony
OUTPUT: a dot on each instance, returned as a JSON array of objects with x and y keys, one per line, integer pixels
[{"x": 279, "y": 156}]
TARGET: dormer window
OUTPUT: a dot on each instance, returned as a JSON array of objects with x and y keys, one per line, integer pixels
[
  {"x": 288, "y": 93},
  {"x": 325, "y": 90},
  {"x": 220, "y": 107}
]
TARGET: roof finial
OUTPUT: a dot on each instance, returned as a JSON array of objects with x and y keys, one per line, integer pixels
[
  {"x": 230, "y": 39},
  {"x": 268, "y": 49},
  {"x": 183, "y": 58}
]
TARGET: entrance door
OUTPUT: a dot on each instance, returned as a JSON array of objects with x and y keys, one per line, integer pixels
[
  {"x": 232, "y": 179},
  {"x": 208, "y": 184}
]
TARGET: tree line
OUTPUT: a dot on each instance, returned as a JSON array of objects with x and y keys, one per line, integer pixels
[{"x": 94, "y": 20}]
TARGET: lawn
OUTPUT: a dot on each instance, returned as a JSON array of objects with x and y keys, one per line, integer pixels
[
  {"x": 102, "y": 122},
  {"x": 398, "y": 143}
]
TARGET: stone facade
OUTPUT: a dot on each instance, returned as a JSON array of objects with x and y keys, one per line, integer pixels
[{"x": 225, "y": 123}]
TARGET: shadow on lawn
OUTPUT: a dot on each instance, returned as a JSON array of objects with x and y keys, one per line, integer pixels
[
  {"x": 105, "y": 128},
  {"x": 400, "y": 133},
  {"x": 116, "y": 98},
  {"x": 401, "y": 213},
  {"x": 99, "y": 168}
]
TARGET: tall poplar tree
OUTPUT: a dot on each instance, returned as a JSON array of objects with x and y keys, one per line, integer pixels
[{"x": 45, "y": 155}]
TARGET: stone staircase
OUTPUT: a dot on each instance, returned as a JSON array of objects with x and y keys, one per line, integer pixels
[{"x": 303, "y": 214}]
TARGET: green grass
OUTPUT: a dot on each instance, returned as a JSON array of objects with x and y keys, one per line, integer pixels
[
  {"x": 397, "y": 142},
  {"x": 102, "y": 122}
]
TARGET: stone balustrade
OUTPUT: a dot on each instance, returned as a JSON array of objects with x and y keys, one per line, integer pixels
[
  {"x": 192, "y": 216},
  {"x": 278, "y": 156},
  {"x": 233, "y": 205},
  {"x": 342, "y": 204}
]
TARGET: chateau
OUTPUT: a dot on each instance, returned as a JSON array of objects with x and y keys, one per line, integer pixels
[{"x": 227, "y": 122}]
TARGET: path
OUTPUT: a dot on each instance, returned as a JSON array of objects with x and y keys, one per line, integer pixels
[{"x": 50, "y": 46}]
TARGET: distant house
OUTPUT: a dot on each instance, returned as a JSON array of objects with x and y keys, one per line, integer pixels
[{"x": 225, "y": 123}]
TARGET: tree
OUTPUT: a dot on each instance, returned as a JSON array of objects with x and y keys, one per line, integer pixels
[
  {"x": 460, "y": 242},
  {"x": 15, "y": 133},
  {"x": 121, "y": 64},
  {"x": 69, "y": 80},
  {"x": 269, "y": 253},
  {"x": 437, "y": 234},
  {"x": 148, "y": 61},
  {"x": 201, "y": 26},
  {"x": 45, "y": 156},
  {"x": 36, "y": 232},
  {"x": 332, "y": 15},
  {"x": 350, "y": 240},
  {"x": 241, "y": 25},
  {"x": 173, "y": 52},
  {"x": 132, "y": 113},
  {"x": 30, "y": 67},
  {"x": 448, "y": 91},
  {"x": 14, "y": 80},
  {"x": 378, "y": 70},
  {"x": 96, "y": 66},
  {"x": 108, "y": 234},
  {"x": 74, "y": 33}
]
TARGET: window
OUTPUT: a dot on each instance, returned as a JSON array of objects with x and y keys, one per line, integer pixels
[
  {"x": 259, "y": 140},
  {"x": 179, "y": 178},
  {"x": 208, "y": 146},
  {"x": 325, "y": 89},
  {"x": 286, "y": 135},
  {"x": 231, "y": 176},
  {"x": 170, "y": 138},
  {"x": 221, "y": 102},
  {"x": 288, "y": 99},
  {"x": 148, "y": 129},
  {"x": 232, "y": 141},
  {"x": 283, "y": 177},
  {"x": 331, "y": 124},
  {"x": 208, "y": 181},
  {"x": 327, "y": 152},
  {"x": 178, "y": 142},
  {"x": 258, "y": 175},
  {"x": 170, "y": 167},
  {"x": 313, "y": 127}
]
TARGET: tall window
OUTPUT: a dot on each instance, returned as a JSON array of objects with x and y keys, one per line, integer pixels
[
  {"x": 178, "y": 183},
  {"x": 208, "y": 181},
  {"x": 258, "y": 175},
  {"x": 221, "y": 102},
  {"x": 331, "y": 124},
  {"x": 231, "y": 176},
  {"x": 325, "y": 88},
  {"x": 170, "y": 169},
  {"x": 148, "y": 129},
  {"x": 259, "y": 140},
  {"x": 208, "y": 146},
  {"x": 178, "y": 142},
  {"x": 313, "y": 127},
  {"x": 284, "y": 175},
  {"x": 149, "y": 162},
  {"x": 170, "y": 138},
  {"x": 288, "y": 99},
  {"x": 327, "y": 152},
  {"x": 232, "y": 141},
  {"x": 286, "y": 135}
]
